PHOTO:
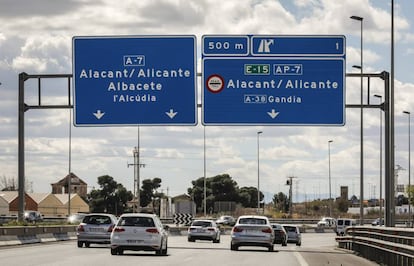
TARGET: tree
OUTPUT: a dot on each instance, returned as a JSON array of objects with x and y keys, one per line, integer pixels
[
  {"x": 8, "y": 184},
  {"x": 281, "y": 202},
  {"x": 149, "y": 193},
  {"x": 218, "y": 188},
  {"x": 248, "y": 197},
  {"x": 111, "y": 197},
  {"x": 410, "y": 193},
  {"x": 342, "y": 205}
]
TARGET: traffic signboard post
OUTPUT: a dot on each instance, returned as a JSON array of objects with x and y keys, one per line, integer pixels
[
  {"x": 135, "y": 80},
  {"x": 273, "y": 80}
]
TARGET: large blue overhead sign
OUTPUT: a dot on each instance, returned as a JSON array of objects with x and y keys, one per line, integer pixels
[
  {"x": 135, "y": 80},
  {"x": 273, "y": 80}
]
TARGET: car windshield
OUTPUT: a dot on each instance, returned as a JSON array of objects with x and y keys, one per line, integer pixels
[
  {"x": 97, "y": 219},
  {"x": 252, "y": 221},
  {"x": 202, "y": 223},
  {"x": 137, "y": 221}
]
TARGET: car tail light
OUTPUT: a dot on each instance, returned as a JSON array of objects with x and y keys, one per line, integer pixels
[
  {"x": 81, "y": 228},
  {"x": 237, "y": 229},
  {"x": 267, "y": 230},
  {"x": 210, "y": 229},
  {"x": 119, "y": 229},
  {"x": 111, "y": 228},
  {"x": 152, "y": 230}
]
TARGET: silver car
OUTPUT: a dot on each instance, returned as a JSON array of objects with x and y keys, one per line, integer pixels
[
  {"x": 252, "y": 230},
  {"x": 203, "y": 230},
  {"x": 95, "y": 228},
  {"x": 139, "y": 232},
  {"x": 293, "y": 234}
]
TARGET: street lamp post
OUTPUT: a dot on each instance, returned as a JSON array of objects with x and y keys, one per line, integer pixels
[
  {"x": 329, "y": 172},
  {"x": 409, "y": 168},
  {"x": 205, "y": 178},
  {"x": 258, "y": 172},
  {"x": 361, "y": 209},
  {"x": 380, "y": 192}
]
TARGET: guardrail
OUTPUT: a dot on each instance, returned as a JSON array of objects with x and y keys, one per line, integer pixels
[{"x": 384, "y": 245}]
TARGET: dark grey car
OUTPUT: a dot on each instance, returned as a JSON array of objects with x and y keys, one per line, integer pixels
[{"x": 95, "y": 228}]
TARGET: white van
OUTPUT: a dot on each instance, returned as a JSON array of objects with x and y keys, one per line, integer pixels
[{"x": 342, "y": 224}]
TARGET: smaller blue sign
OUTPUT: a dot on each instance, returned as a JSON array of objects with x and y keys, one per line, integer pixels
[
  {"x": 215, "y": 45},
  {"x": 285, "y": 45}
]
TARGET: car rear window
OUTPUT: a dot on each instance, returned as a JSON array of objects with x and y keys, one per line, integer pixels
[
  {"x": 277, "y": 226},
  {"x": 137, "y": 221},
  {"x": 202, "y": 223},
  {"x": 97, "y": 219},
  {"x": 252, "y": 221},
  {"x": 290, "y": 228}
]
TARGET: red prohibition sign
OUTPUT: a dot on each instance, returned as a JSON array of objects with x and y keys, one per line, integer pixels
[{"x": 215, "y": 83}]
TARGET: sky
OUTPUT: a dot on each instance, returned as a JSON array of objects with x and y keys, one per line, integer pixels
[{"x": 36, "y": 38}]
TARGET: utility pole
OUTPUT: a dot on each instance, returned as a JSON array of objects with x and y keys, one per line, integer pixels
[
  {"x": 137, "y": 165},
  {"x": 289, "y": 183}
]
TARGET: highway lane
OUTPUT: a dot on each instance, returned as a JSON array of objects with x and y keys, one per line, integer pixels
[{"x": 316, "y": 250}]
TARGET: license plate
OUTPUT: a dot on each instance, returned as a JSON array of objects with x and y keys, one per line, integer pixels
[
  {"x": 96, "y": 229},
  {"x": 134, "y": 241}
]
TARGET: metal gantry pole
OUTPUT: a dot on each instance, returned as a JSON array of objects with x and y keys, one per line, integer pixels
[
  {"x": 329, "y": 173},
  {"x": 21, "y": 174},
  {"x": 409, "y": 167},
  {"x": 258, "y": 171},
  {"x": 205, "y": 178},
  {"x": 380, "y": 164}
]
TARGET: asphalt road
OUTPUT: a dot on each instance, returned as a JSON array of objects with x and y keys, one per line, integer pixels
[{"x": 316, "y": 250}]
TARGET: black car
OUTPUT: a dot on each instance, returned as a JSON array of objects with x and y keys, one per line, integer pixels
[{"x": 280, "y": 234}]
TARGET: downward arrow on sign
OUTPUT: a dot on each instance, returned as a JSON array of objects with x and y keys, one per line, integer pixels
[
  {"x": 171, "y": 113},
  {"x": 273, "y": 114},
  {"x": 98, "y": 114}
]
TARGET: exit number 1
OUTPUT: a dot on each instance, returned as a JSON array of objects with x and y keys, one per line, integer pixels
[{"x": 257, "y": 69}]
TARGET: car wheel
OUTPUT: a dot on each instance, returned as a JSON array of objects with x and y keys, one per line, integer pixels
[
  {"x": 87, "y": 244},
  {"x": 217, "y": 239},
  {"x": 164, "y": 251},
  {"x": 234, "y": 247},
  {"x": 284, "y": 244},
  {"x": 298, "y": 243},
  {"x": 80, "y": 244},
  {"x": 271, "y": 248},
  {"x": 120, "y": 251},
  {"x": 164, "y": 247},
  {"x": 190, "y": 239},
  {"x": 114, "y": 251},
  {"x": 159, "y": 252}
]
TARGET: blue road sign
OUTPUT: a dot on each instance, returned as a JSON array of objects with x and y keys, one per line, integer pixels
[
  {"x": 270, "y": 86},
  {"x": 135, "y": 80}
]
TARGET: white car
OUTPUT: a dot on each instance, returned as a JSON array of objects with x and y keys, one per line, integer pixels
[
  {"x": 203, "y": 230},
  {"x": 252, "y": 230},
  {"x": 139, "y": 232},
  {"x": 327, "y": 222}
]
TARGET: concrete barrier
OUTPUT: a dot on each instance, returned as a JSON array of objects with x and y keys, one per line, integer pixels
[{"x": 20, "y": 235}]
